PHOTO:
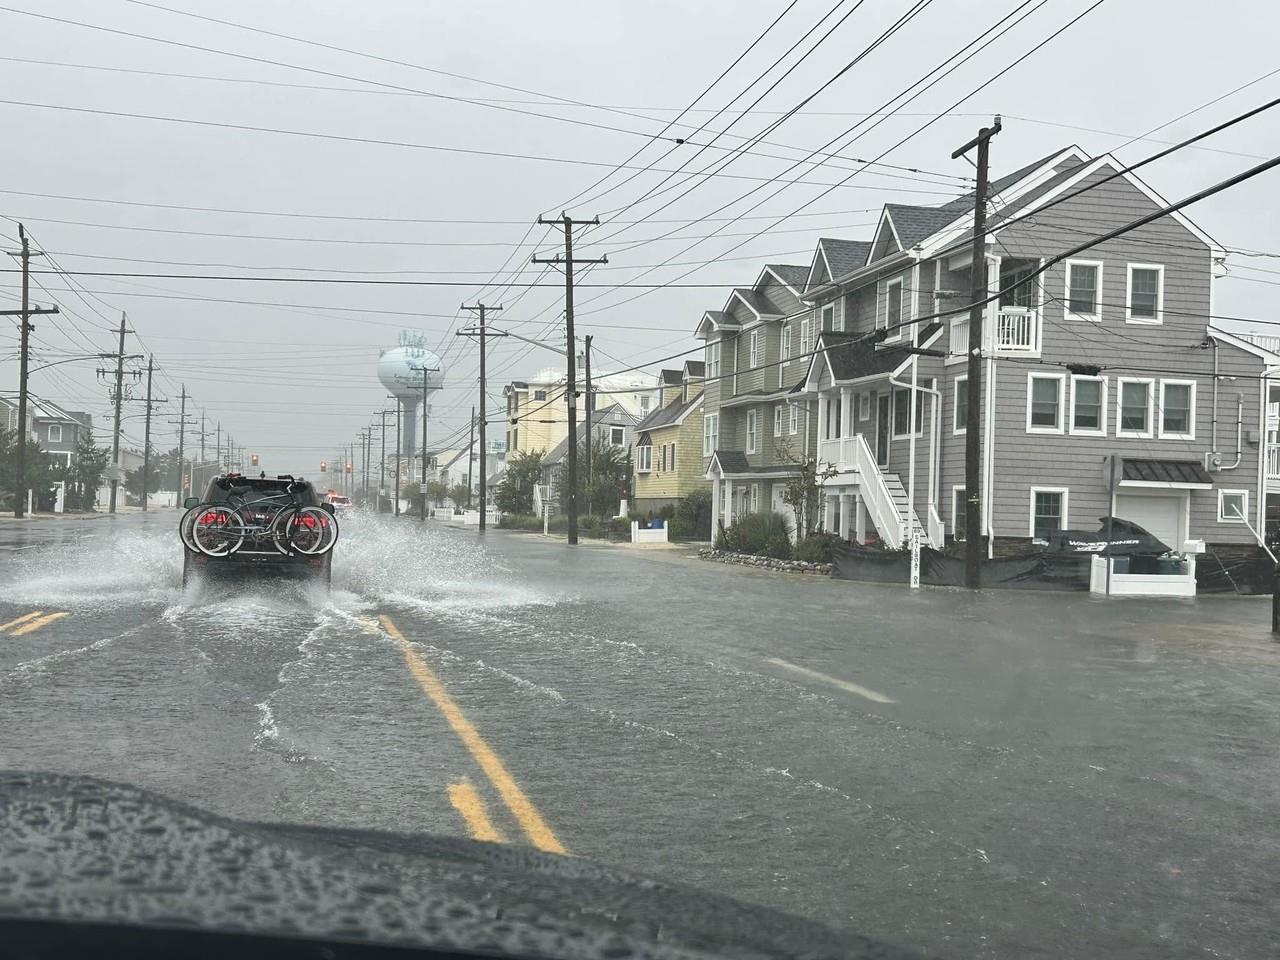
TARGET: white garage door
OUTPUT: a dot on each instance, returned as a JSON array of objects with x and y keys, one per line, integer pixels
[{"x": 1162, "y": 517}]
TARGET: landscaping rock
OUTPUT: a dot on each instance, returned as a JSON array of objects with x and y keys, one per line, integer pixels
[{"x": 767, "y": 563}]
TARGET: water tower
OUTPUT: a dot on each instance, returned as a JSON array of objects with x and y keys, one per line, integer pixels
[{"x": 402, "y": 370}]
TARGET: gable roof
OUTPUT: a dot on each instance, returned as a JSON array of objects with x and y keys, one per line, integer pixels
[
  {"x": 852, "y": 356},
  {"x": 965, "y": 203},
  {"x": 673, "y": 413},
  {"x": 791, "y": 274},
  {"x": 670, "y": 378},
  {"x": 914, "y": 224},
  {"x": 601, "y": 417},
  {"x": 756, "y": 302},
  {"x": 718, "y": 319},
  {"x": 834, "y": 258},
  {"x": 695, "y": 369}
]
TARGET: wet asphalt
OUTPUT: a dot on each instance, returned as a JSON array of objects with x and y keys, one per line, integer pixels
[{"x": 1002, "y": 774}]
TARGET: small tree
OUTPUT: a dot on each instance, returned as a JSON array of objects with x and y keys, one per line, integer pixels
[
  {"x": 515, "y": 489},
  {"x": 436, "y": 492},
  {"x": 84, "y": 475},
  {"x": 460, "y": 494},
  {"x": 609, "y": 475},
  {"x": 39, "y": 473},
  {"x": 803, "y": 492}
]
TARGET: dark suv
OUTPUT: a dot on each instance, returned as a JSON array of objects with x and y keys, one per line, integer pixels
[{"x": 258, "y": 559}]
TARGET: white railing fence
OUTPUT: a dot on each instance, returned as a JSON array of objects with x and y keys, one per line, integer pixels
[
  {"x": 875, "y": 493},
  {"x": 1017, "y": 330}
]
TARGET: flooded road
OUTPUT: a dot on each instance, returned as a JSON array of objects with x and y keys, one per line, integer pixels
[{"x": 987, "y": 775}]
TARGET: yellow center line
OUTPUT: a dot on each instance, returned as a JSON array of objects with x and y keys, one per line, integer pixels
[
  {"x": 521, "y": 807},
  {"x": 22, "y": 619},
  {"x": 467, "y": 801},
  {"x": 836, "y": 682},
  {"x": 44, "y": 621}
]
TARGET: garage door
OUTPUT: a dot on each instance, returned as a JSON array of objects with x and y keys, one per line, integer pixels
[{"x": 1161, "y": 516}]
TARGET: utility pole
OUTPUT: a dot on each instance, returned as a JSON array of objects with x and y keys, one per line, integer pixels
[
  {"x": 471, "y": 446},
  {"x": 146, "y": 436},
  {"x": 396, "y": 508},
  {"x": 587, "y": 402},
  {"x": 481, "y": 333},
  {"x": 571, "y": 390},
  {"x": 26, "y": 313},
  {"x": 115, "y": 430},
  {"x": 181, "y": 424},
  {"x": 972, "y": 449},
  {"x": 382, "y": 462}
]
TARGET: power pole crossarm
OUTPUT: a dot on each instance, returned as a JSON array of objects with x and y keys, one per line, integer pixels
[
  {"x": 571, "y": 389},
  {"x": 972, "y": 448},
  {"x": 482, "y": 334}
]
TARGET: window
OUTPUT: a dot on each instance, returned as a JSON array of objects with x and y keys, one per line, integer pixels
[
  {"x": 902, "y": 413},
  {"x": 1233, "y": 506},
  {"x": 1044, "y": 402},
  {"x": 617, "y": 436},
  {"x": 1146, "y": 293},
  {"x": 806, "y": 336},
  {"x": 1084, "y": 290},
  {"x": 785, "y": 350},
  {"x": 1089, "y": 406},
  {"x": 755, "y": 498},
  {"x": 892, "y": 303},
  {"x": 710, "y": 433},
  {"x": 539, "y": 394},
  {"x": 671, "y": 456},
  {"x": 1135, "y": 408},
  {"x": 1048, "y": 511},
  {"x": 1178, "y": 409},
  {"x": 957, "y": 513},
  {"x": 753, "y": 430},
  {"x": 829, "y": 317},
  {"x": 644, "y": 458},
  {"x": 713, "y": 359},
  {"x": 55, "y": 433},
  {"x": 795, "y": 419},
  {"x": 864, "y": 405},
  {"x": 777, "y": 419},
  {"x": 960, "y": 418},
  {"x": 645, "y": 400},
  {"x": 754, "y": 348}
]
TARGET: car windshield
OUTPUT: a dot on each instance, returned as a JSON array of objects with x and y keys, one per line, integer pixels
[{"x": 539, "y": 465}]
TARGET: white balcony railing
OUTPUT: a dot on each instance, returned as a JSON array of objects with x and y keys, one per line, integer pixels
[
  {"x": 1273, "y": 462},
  {"x": 1010, "y": 330},
  {"x": 837, "y": 451}
]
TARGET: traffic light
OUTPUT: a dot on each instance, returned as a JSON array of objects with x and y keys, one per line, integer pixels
[
  {"x": 253, "y": 459},
  {"x": 324, "y": 466},
  {"x": 349, "y": 466}
]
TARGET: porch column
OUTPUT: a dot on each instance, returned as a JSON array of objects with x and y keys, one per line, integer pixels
[
  {"x": 728, "y": 502},
  {"x": 846, "y": 509},
  {"x": 860, "y": 523},
  {"x": 828, "y": 512},
  {"x": 715, "y": 509},
  {"x": 846, "y": 411},
  {"x": 822, "y": 417}
]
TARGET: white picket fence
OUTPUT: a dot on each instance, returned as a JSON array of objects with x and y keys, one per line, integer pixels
[{"x": 641, "y": 534}]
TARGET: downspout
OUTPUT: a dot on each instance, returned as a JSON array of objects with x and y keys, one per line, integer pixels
[
  {"x": 1239, "y": 432},
  {"x": 913, "y": 406},
  {"x": 1213, "y": 437}
]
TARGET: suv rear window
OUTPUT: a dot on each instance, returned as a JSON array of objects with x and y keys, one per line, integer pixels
[{"x": 259, "y": 485}]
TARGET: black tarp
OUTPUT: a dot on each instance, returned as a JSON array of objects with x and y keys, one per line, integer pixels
[
  {"x": 1127, "y": 539},
  {"x": 1038, "y": 570}
]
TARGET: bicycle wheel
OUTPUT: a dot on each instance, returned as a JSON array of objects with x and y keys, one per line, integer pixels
[
  {"x": 308, "y": 530},
  {"x": 186, "y": 523},
  {"x": 218, "y": 531}
]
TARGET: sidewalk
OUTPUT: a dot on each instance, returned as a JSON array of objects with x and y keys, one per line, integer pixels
[{"x": 70, "y": 515}]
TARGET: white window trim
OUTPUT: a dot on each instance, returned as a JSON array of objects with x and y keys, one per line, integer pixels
[
  {"x": 1062, "y": 401},
  {"x": 1128, "y": 294},
  {"x": 864, "y": 405},
  {"x": 955, "y": 405},
  {"x": 752, "y": 431},
  {"x": 710, "y": 433},
  {"x": 893, "y": 415},
  {"x": 807, "y": 339},
  {"x": 956, "y": 509},
  {"x": 1095, "y": 317},
  {"x": 1031, "y": 508},
  {"x": 753, "y": 350},
  {"x": 713, "y": 359},
  {"x": 755, "y": 498},
  {"x": 784, "y": 349},
  {"x": 1191, "y": 419},
  {"x": 885, "y": 326},
  {"x": 622, "y": 432},
  {"x": 794, "y": 425},
  {"x": 823, "y": 313},
  {"x": 1102, "y": 414},
  {"x": 778, "y": 425},
  {"x": 1151, "y": 396},
  {"x": 1225, "y": 492},
  {"x": 644, "y": 458},
  {"x": 50, "y": 438}
]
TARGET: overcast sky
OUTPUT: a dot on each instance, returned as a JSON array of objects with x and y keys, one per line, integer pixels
[{"x": 294, "y": 382}]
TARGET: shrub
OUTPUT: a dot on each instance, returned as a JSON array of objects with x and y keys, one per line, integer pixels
[
  {"x": 620, "y": 527},
  {"x": 692, "y": 520},
  {"x": 667, "y": 511},
  {"x": 753, "y": 532},
  {"x": 816, "y": 548},
  {"x": 520, "y": 521},
  {"x": 778, "y": 547}
]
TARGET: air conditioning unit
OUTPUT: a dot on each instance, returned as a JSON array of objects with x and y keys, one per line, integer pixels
[{"x": 1213, "y": 461}]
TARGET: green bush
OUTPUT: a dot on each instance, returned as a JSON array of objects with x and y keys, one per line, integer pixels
[
  {"x": 520, "y": 521},
  {"x": 816, "y": 548},
  {"x": 667, "y": 511},
  {"x": 753, "y": 532},
  {"x": 620, "y": 527},
  {"x": 692, "y": 520},
  {"x": 778, "y": 547}
]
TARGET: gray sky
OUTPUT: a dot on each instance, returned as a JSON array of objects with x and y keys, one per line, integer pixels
[{"x": 296, "y": 382}]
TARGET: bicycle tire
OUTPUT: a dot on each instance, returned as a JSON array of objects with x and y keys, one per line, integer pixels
[
  {"x": 186, "y": 523},
  {"x": 222, "y": 543},
  {"x": 309, "y": 530}
]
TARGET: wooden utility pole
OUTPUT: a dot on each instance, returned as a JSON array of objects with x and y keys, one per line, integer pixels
[
  {"x": 972, "y": 440},
  {"x": 588, "y": 403},
  {"x": 471, "y": 446},
  {"x": 382, "y": 462},
  {"x": 399, "y": 406},
  {"x": 571, "y": 348},
  {"x": 25, "y": 313},
  {"x": 181, "y": 424},
  {"x": 146, "y": 436},
  {"x": 481, "y": 333},
  {"x": 115, "y": 430}
]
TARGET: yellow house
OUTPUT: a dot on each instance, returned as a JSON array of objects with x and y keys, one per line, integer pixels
[{"x": 668, "y": 452}]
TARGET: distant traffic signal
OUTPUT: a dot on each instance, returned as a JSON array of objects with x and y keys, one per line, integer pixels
[
  {"x": 253, "y": 459},
  {"x": 324, "y": 466},
  {"x": 349, "y": 466}
]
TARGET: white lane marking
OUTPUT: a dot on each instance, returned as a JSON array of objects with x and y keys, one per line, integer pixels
[{"x": 844, "y": 685}]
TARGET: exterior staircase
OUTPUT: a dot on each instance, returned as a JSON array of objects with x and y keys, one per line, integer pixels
[{"x": 906, "y": 513}]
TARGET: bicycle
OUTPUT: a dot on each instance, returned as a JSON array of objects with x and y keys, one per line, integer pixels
[{"x": 220, "y": 530}]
